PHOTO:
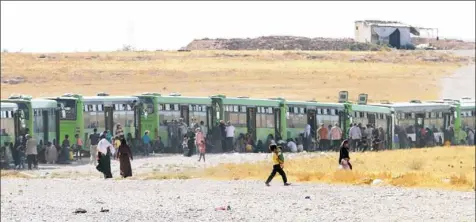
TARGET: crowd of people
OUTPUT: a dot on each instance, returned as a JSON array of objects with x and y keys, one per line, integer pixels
[{"x": 221, "y": 138}]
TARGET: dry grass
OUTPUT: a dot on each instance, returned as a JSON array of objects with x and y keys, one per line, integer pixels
[
  {"x": 288, "y": 74},
  {"x": 15, "y": 174},
  {"x": 448, "y": 167}
]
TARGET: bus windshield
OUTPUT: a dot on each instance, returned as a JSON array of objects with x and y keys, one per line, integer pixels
[
  {"x": 149, "y": 103},
  {"x": 68, "y": 109},
  {"x": 23, "y": 107}
]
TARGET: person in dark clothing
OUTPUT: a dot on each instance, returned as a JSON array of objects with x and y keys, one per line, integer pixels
[
  {"x": 190, "y": 142},
  {"x": 64, "y": 154},
  {"x": 217, "y": 139},
  {"x": 16, "y": 153},
  {"x": 223, "y": 135},
  {"x": 104, "y": 157},
  {"x": 124, "y": 154},
  {"x": 278, "y": 165},
  {"x": 344, "y": 158},
  {"x": 259, "y": 147},
  {"x": 104, "y": 164}
]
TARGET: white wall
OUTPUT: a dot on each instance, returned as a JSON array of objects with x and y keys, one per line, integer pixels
[{"x": 363, "y": 33}]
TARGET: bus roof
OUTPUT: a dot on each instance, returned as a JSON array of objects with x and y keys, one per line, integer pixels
[
  {"x": 416, "y": 107},
  {"x": 43, "y": 103},
  {"x": 250, "y": 101},
  {"x": 185, "y": 100},
  {"x": 108, "y": 99},
  {"x": 8, "y": 106},
  {"x": 468, "y": 105},
  {"x": 315, "y": 104},
  {"x": 371, "y": 109},
  {"x": 62, "y": 98}
]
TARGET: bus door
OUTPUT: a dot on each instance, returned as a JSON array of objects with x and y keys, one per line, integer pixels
[
  {"x": 109, "y": 118},
  {"x": 251, "y": 121},
  {"x": 184, "y": 113},
  {"x": 277, "y": 123},
  {"x": 58, "y": 114},
  {"x": 389, "y": 130},
  {"x": 311, "y": 120},
  {"x": 138, "y": 109},
  {"x": 209, "y": 123},
  {"x": 46, "y": 123},
  {"x": 17, "y": 124},
  {"x": 448, "y": 120}
]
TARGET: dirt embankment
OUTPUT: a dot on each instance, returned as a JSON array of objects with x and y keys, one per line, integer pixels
[{"x": 314, "y": 44}]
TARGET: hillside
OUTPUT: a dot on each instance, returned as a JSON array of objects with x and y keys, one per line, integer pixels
[
  {"x": 302, "y": 75},
  {"x": 313, "y": 44}
]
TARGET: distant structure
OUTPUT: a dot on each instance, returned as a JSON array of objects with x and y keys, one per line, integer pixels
[{"x": 393, "y": 33}]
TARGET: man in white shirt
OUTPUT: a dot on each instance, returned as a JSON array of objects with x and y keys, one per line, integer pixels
[
  {"x": 230, "y": 135},
  {"x": 355, "y": 135}
]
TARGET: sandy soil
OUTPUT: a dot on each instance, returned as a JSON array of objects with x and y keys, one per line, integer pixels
[{"x": 297, "y": 75}]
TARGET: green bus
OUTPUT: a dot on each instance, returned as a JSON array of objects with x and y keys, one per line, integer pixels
[
  {"x": 378, "y": 116},
  {"x": 41, "y": 117},
  {"x": 10, "y": 122},
  {"x": 104, "y": 112},
  {"x": 258, "y": 117},
  {"x": 149, "y": 118},
  {"x": 71, "y": 116},
  {"x": 193, "y": 110},
  {"x": 300, "y": 113},
  {"x": 467, "y": 114},
  {"x": 416, "y": 114}
]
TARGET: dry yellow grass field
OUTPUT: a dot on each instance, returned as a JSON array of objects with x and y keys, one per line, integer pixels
[
  {"x": 300, "y": 75},
  {"x": 442, "y": 167}
]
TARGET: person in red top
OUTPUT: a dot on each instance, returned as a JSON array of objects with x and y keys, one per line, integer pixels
[
  {"x": 323, "y": 134},
  {"x": 201, "y": 148}
]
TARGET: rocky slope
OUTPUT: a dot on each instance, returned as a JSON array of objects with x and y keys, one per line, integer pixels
[{"x": 304, "y": 43}]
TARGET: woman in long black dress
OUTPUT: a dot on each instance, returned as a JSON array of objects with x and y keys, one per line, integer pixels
[{"x": 124, "y": 155}]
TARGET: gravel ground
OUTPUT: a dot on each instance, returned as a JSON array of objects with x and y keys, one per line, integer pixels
[
  {"x": 55, "y": 199},
  {"x": 462, "y": 82},
  {"x": 196, "y": 200}
]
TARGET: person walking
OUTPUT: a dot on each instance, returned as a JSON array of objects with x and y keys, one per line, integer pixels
[
  {"x": 124, "y": 154},
  {"x": 94, "y": 140},
  {"x": 201, "y": 148},
  {"x": 278, "y": 165},
  {"x": 105, "y": 151},
  {"x": 344, "y": 158},
  {"x": 199, "y": 137},
  {"x": 31, "y": 152}
]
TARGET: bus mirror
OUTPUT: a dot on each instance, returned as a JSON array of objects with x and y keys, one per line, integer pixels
[{"x": 63, "y": 114}]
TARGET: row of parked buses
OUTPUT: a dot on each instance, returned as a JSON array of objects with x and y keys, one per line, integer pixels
[{"x": 50, "y": 119}]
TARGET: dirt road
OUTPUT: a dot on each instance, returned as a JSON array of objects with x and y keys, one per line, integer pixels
[{"x": 461, "y": 83}]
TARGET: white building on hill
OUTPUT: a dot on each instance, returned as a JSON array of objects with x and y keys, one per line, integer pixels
[{"x": 395, "y": 34}]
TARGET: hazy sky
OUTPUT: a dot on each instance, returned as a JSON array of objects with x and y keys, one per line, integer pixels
[{"x": 105, "y": 26}]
